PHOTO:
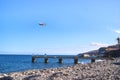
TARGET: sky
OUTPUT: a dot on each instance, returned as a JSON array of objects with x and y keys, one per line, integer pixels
[{"x": 72, "y": 26}]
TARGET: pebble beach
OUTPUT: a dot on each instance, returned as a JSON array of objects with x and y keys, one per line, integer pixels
[{"x": 103, "y": 70}]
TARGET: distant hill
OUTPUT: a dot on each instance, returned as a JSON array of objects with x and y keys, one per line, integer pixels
[
  {"x": 93, "y": 52},
  {"x": 112, "y": 50}
]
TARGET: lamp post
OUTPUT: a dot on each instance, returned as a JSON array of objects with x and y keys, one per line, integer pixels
[{"x": 118, "y": 39}]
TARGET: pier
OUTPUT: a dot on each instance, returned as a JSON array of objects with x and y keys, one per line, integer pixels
[{"x": 61, "y": 57}]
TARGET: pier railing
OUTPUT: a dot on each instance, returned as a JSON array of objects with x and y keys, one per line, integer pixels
[{"x": 60, "y": 58}]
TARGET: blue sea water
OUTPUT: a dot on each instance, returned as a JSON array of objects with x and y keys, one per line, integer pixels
[{"x": 14, "y": 63}]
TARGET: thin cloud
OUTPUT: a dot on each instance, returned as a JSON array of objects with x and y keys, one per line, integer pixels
[
  {"x": 98, "y": 44},
  {"x": 117, "y": 31}
]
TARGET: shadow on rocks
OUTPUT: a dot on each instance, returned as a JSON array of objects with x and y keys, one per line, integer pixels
[
  {"x": 117, "y": 63},
  {"x": 6, "y": 78},
  {"x": 55, "y": 75},
  {"x": 33, "y": 77}
]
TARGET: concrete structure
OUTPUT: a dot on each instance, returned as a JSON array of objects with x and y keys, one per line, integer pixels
[
  {"x": 60, "y": 58},
  {"x": 85, "y": 55}
]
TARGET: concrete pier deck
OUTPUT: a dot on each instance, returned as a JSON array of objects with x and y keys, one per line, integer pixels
[{"x": 61, "y": 57}]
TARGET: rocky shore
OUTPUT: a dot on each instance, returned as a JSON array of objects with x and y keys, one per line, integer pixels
[{"x": 104, "y": 70}]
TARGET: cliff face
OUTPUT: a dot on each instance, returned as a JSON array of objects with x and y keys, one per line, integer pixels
[{"x": 113, "y": 53}]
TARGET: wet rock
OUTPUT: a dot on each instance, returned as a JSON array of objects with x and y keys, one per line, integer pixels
[{"x": 6, "y": 78}]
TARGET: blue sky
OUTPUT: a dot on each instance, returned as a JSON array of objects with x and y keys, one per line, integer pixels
[{"x": 72, "y": 26}]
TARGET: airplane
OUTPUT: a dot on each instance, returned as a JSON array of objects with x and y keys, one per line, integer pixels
[{"x": 42, "y": 24}]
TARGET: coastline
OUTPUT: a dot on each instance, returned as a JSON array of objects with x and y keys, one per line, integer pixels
[{"x": 103, "y": 70}]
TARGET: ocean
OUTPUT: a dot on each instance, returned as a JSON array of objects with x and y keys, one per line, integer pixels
[{"x": 16, "y": 63}]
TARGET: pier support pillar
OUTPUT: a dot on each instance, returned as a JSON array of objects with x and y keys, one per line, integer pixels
[
  {"x": 46, "y": 60},
  {"x": 76, "y": 60},
  {"x": 92, "y": 60},
  {"x": 33, "y": 59},
  {"x": 60, "y": 60}
]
